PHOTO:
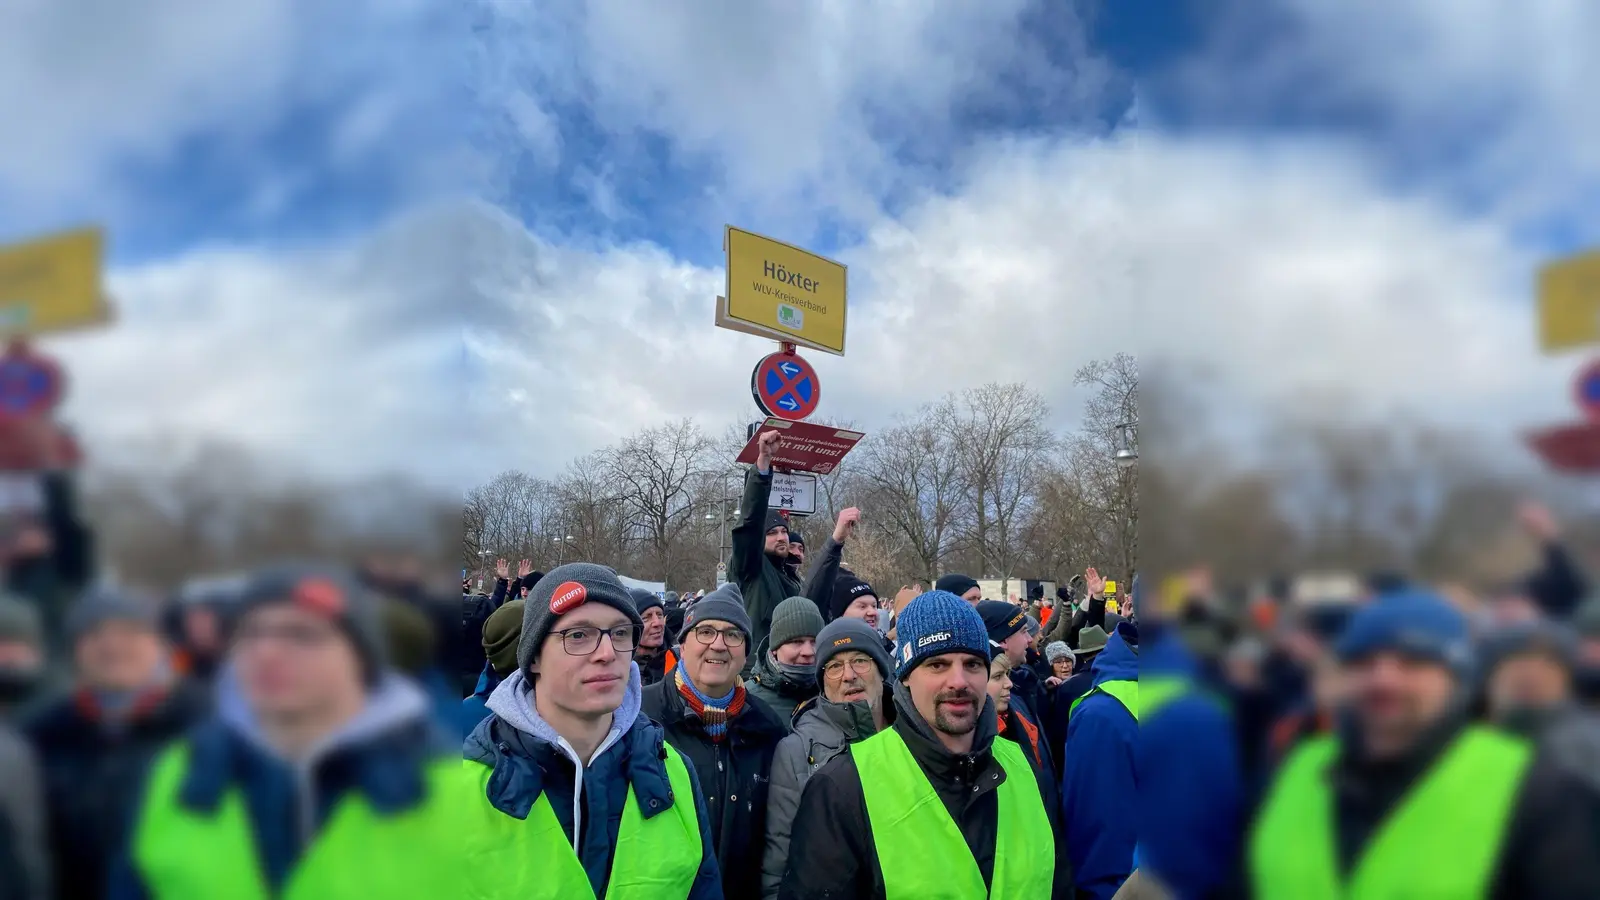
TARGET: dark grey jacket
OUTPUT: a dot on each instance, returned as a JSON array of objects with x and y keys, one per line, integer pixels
[
  {"x": 822, "y": 729},
  {"x": 24, "y": 859}
]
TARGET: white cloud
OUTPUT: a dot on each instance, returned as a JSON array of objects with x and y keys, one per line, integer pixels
[
  {"x": 1287, "y": 268},
  {"x": 84, "y": 82},
  {"x": 342, "y": 361},
  {"x": 802, "y": 106},
  {"x": 1498, "y": 97}
]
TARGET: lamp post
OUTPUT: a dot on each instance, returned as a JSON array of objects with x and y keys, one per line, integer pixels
[
  {"x": 724, "y": 539},
  {"x": 1127, "y": 455},
  {"x": 483, "y": 566}
]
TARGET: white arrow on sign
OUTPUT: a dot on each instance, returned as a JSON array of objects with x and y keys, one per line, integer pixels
[
  {"x": 788, "y": 403},
  {"x": 789, "y": 369}
]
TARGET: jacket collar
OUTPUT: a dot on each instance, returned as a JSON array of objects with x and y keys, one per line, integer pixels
[
  {"x": 389, "y": 769},
  {"x": 521, "y": 762}
]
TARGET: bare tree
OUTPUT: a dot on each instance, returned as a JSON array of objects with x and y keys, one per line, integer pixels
[
  {"x": 913, "y": 482},
  {"x": 1003, "y": 440},
  {"x": 656, "y": 472}
]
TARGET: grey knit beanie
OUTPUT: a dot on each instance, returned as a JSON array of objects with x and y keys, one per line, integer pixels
[
  {"x": 794, "y": 618},
  {"x": 725, "y": 604},
  {"x": 330, "y": 591},
  {"x": 562, "y": 590}
]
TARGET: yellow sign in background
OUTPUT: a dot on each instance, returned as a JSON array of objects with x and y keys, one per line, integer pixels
[
  {"x": 53, "y": 283},
  {"x": 783, "y": 292},
  {"x": 1569, "y": 302}
]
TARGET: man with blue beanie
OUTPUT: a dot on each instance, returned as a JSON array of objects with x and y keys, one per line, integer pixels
[
  {"x": 1408, "y": 798},
  {"x": 946, "y": 810}
]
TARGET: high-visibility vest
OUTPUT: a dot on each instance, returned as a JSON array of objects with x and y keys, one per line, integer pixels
[
  {"x": 182, "y": 853},
  {"x": 1441, "y": 842},
  {"x": 921, "y": 851},
  {"x": 1125, "y": 692},
  {"x": 532, "y": 859}
]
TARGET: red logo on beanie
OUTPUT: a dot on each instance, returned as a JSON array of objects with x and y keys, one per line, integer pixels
[
  {"x": 568, "y": 595},
  {"x": 319, "y": 595}
]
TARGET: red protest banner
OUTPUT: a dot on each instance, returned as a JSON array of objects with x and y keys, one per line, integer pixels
[{"x": 804, "y": 447}]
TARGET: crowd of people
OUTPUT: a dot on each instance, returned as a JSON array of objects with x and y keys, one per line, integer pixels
[
  {"x": 273, "y": 738},
  {"x": 797, "y": 733}
]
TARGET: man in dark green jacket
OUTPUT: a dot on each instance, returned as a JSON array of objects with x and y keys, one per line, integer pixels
[{"x": 761, "y": 547}]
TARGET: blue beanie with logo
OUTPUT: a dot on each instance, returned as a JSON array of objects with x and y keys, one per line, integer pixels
[
  {"x": 1412, "y": 623},
  {"x": 934, "y": 623}
]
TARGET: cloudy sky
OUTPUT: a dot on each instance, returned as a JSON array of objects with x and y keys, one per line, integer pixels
[{"x": 374, "y": 234}]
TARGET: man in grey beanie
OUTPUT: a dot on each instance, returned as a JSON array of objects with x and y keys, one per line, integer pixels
[
  {"x": 785, "y": 676},
  {"x": 651, "y": 654},
  {"x": 711, "y": 718},
  {"x": 853, "y": 668},
  {"x": 569, "y": 745}
]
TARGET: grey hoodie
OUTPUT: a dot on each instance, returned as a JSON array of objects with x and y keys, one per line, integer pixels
[
  {"x": 394, "y": 702},
  {"x": 512, "y": 701}
]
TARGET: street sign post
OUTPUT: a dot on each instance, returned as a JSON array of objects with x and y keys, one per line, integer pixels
[
  {"x": 804, "y": 447},
  {"x": 794, "y": 493},
  {"x": 1569, "y": 302},
  {"x": 1575, "y": 448},
  {"x": 30, "y": 385},
  {"x": 779, "y": 291},
  {"x": 53, "y": 283},
  {"x": 784, "y": 385}
]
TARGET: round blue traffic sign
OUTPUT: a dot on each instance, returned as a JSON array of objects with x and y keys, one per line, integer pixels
[
  {"x": 785, "y": 386},
  {"x": 1587, "y": 389},
  {"x": 29, "y": 385}
]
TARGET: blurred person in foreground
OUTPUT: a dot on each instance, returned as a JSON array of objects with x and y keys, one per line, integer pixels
[
  {"x": 853, "y": 667},
  {"x": 24, "y": 855},
  {"x": 727, "y": 734},
  {"x": 1529, "y": 693},
  {"x": 932, "y": 805},
  {"x": 574, "y": 791},
  {"x": 1186, "y": 761},
  {"x": 124, "y": 704},
  {"x": 1586, "y": 668},
  {"x": 1407, "y": 798},
  {"x": 321, "y": 774}
]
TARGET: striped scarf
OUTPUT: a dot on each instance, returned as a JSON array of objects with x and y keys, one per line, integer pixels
[{"x": 714, "y": 715}]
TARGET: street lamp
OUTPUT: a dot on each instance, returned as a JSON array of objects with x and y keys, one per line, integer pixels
[{"x": 1127, "y": 456}]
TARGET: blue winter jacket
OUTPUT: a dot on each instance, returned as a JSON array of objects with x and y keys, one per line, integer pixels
[
  {"x": 475, "y": 709},
  {"x": 517, "y": 740},
  {"x": 1098, "y": 789},
  {"x": 382, "y": 754},
  {"x": 1190, "y": 784}
]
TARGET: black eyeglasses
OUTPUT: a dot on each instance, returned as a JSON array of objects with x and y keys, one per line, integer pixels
[
  {"x": 583, "y": 640},
  {"x": 707, "y": 634}
]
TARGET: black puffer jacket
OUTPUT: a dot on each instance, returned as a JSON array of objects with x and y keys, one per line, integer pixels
[
  {"x": 763, "y": 583},
  {"x": 93, "y": 774},
  {"x": 831, "y": 852},
  {"x": 734, "y": 776}
]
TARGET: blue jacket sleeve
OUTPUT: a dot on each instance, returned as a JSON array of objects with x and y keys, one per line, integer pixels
[
  {"x": 125, "y": 882},
  {"x": 1190, "y": 796},
  {"x": 708, "y": 881},
  {"x": 1099, "y": 796}
]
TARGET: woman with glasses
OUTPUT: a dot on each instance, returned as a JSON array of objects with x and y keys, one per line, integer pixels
[
  {"x": 725, "y": 732},
  {"x": 852, "y": 669}
]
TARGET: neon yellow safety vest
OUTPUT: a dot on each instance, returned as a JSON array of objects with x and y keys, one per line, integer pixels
[
  {"x": 181, "y": 853},
  {"x": 921, "y": 851},
  {"x": 532, "y": 859},
  {"x": 1125, "y": 692},
  {"x": 1441, "y": 843}
]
